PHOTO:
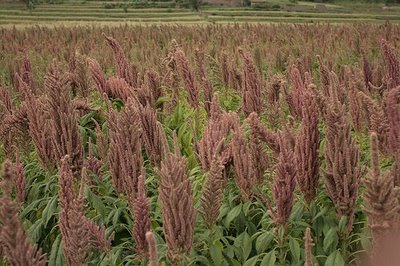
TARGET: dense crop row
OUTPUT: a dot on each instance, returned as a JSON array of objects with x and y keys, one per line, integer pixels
[{"x": 216, "y": 145}]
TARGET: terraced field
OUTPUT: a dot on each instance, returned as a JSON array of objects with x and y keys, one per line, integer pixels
[{"x": 101, "y": 12}]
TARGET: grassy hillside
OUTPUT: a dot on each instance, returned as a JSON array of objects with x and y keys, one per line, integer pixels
[{"x": 106, "y": 12}]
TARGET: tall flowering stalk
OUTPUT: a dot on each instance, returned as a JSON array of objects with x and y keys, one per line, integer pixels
[
  {"x": 284, "y": 183},
  {"x": 151, "y": 242},
  {"x": 244, "y": 165},
  {"x": 297, "y": 92},
  {"x": 153, "y": 134},
  {"x": 141, "y": 210},
  {"x": 306, "y": 149},
  {"x": 186, "y": 73},
  {"x": 79, "y": 234},
  {"x": 212, "y": 194},
  {"x": 342, "y": 173},
  {"x": 263, "y": 133},
  {"x": 19, "y": 180},
  {"x": 124, "y": 155},
  {"x": 15, "y": 245},
  {"x": 39, "y": 126},
  {"x": 380, "y": 198},
  {"x": 125, "y": 70},
  {"x": 178, "y": 212},
  {"x": 218, "y": 128},
  {"x": 378, "y": 120},
  {"x": 65, "y": 135},
  {"x": 205, "y": 82},
  {"x": 251, "y": 85},
  {"x": 392, "y": 65}
]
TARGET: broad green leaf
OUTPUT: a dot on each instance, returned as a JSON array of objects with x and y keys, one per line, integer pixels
[
  {"x": 49, "y": 210},
  {"x": 335, "y": 259},
  {"x": 294, "y": 249},
  {"x": 247, "y": 246},
  {"x": 269, "y": 259},
  {"x": 216, "y": 252},
  {"x": 330, "y": 240},
  {"x": 252, "y": 261},
  {"x": 263, "y": 241},
  {"x": 56, "y": 254},
  {"x": 232, "y": 214}
]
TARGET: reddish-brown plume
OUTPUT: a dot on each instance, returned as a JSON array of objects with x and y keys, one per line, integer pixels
[
  {"x": 342, "y": 173},
  {"x": 64, "y": 131},
  {"x": 284, "y": 183},
  {"x": 124, "y": 69},
  {"x": 98, "y": 76},
  {"x": 218, "y": 128},
  {"x": 124, "y": 156},
  {"x": 244, "y": 165},
  {"x": 39, "y": 127},
  {"x": 297, "y": 92},
  {"x": 15, "y": 245},
  {"x": 79, "y": 234},
  {"x": 19, "y": 180},
  {"x": 205, "y": 82},
  {"x": 392, "y": 65},
  {"x": 141, "y": 211},
  {"x": 186, "y": 73},
  {"x": 306, "y": 149},
  {"x": 251, "y": 85},
  {"x": 212, "y": 195},
  {"x": 263, "y": 133},
  {"x": 380, "y": 198},
  {"x": 153, "y": 134},
  {"x": 176, "y": 198},
  {"x": 151, "y": 242}
]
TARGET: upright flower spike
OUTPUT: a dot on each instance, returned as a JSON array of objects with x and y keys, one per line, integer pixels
[
  {"x": 342, "y": 174},
  {"x": 306, "y": 149},
  {"x": 205, "y": 82},
  {"x": 141, "y": 210},
  {"x": 212, "y": 194},
  {"x": 15, "y": 245},
  {"x": 392, "y": 65},
  {"x": 186, "y": 73},
  {"x": 124, "y": 69},
  {"x": 251, "y": 85},
  {"x": 178, "y": 211},
  {"x": 124, "y": 154},
  {"x": 219, "y": 126},
  {"x": 79, "y": 234},
  {"x": 19, "y": 180},
  {"x": 151, "y": 242},
  {"x": 380, "y": 198},
  {"x": 284, "y": 183},
  {"x": 65, "y": 135}
]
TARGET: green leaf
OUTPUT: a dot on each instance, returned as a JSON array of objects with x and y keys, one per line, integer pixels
[
  {"x": 247, "y": 246},
  {"x": 294, "y": 249},
  {"x": 335, "y": 259},
  {"x": 331, "y": 240},
  {"x": 56, "y": 253},
  {"x": 342, "y": 223},
  {"x": 49, "y": 210},
  {"x": 216, "y": 252},
  {"x": 35, "y": 231},
  {"x": 252, "y": 261},
  {"x": 263, "y": 241},
  {"x": 269, "y": 259},
  {"x": 232, "y": 214}
]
